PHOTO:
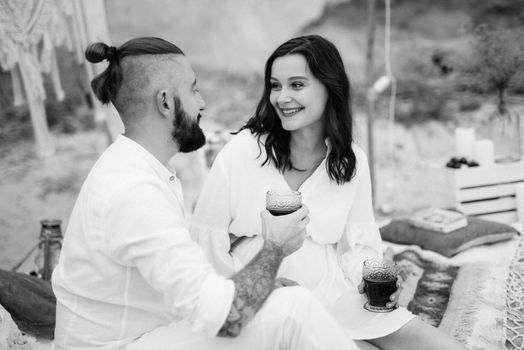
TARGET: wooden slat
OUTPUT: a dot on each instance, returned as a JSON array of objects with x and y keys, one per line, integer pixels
[
  {"x": 496, "y": 174},
  {"x": 520, "y": 202},
  {"x": 489, "y": 206},
  {"x": 509, "y": 217},
  {"x": 478, "y": 193},
  {"x": 488, "y": 192}
]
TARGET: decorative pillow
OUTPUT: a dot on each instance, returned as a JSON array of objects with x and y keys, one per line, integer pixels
[
  {"x": 30, "y": 301},
  {"x": 477, "y": 232}
]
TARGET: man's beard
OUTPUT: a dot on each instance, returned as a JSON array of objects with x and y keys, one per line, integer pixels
[{"x": 186, "y": 132}]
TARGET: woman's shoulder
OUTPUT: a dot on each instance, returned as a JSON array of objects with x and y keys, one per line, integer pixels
[
  {"x": 242, "y": 146},
  {"x": 244, "y": 140}
]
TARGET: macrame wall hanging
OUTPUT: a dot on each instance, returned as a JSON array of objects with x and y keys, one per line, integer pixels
[{"x": 30, "y": 30}]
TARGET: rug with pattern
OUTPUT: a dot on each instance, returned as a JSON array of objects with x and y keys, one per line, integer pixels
[
  {"x": 427, "y": 285},
  {"x": 479, "y": 300}
]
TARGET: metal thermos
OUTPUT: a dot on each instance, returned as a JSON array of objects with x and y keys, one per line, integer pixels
[{"x": 49, "y": 247}]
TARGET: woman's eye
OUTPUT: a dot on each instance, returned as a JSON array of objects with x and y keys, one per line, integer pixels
[
  {"x": 275, "y": 86},
  {"x": 297, "y": 85}
]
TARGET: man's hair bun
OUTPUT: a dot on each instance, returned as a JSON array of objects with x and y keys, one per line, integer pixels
[{"x": 98, "y": 52}]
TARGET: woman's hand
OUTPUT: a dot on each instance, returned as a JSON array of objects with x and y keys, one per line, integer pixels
[
  {"x": 286, "y": 231},
  {"x": 394, "y": 298}
]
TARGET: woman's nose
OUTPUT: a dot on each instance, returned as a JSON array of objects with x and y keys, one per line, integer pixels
[{"x": 283, "y": 97}]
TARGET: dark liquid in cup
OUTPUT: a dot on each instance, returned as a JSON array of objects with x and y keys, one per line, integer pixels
[
  {"x": 281, "y": 212},
  {"x": 378, "y": 292}
]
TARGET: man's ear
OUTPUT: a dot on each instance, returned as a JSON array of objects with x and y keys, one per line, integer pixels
[{"x": 165, "y": 104}]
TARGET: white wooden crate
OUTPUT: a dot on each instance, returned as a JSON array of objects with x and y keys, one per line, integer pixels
[{"x": 489, "y": 192}]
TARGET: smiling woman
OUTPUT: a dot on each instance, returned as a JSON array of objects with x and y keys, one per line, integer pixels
[{"x": 300, "y": 138}]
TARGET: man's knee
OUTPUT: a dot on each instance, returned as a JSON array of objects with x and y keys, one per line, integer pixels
[
  {"x": 286, "y": 310},
  {"x": 291, "y": 302}
]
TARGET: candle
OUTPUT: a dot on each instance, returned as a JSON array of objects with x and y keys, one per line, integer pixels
[
  {"x": 484, "y": 153},
  {"x": 465, "y": 142}
]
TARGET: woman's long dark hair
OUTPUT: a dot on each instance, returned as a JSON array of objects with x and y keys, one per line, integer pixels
[
  {"x": 326, "y": 65},
  {"x": 106, "y": 84}
]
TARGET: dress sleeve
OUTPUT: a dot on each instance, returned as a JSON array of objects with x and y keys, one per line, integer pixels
[
  {"x": 144, "y": 234},
  {"x": 211, "y": 219},
  {"x": 361, "y": 239}
]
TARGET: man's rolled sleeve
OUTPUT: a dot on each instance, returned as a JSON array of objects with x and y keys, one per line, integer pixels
[{"x": 211, "y": 315}]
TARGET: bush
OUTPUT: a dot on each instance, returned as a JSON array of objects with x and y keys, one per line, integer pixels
[
  {"x": 509, "y": 13},
  {"x": 496, "y": 61}
]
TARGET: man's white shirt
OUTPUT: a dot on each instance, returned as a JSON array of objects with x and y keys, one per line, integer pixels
[{"x": 128, "y": 264}]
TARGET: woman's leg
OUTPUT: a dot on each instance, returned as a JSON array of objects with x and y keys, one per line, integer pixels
[{"x": 416, "y": 335}]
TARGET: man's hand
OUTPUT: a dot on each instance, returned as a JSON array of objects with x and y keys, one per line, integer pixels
[{"x": 286, "y": 231}]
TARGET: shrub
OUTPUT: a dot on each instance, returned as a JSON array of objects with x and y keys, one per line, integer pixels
[{"x": 496, "y": 61}]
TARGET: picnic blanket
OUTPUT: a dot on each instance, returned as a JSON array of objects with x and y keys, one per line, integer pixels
[
  {"x": 514, "y": 321},
  {"x": 476, "y": 296},
  {"x": 10, "y": 335}
]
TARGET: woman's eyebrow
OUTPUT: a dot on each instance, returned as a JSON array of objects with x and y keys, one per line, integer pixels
[
  {"x": 298, "y": 77},
  {"x": 302, "y": 77}
]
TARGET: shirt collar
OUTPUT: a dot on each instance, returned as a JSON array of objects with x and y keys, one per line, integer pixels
[{"x": 137, "y": 150}]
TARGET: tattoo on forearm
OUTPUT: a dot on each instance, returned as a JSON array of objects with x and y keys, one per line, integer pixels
[{"x": 253, "y": 284}]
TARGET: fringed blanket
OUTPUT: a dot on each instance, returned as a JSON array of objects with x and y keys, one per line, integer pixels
[
  {"x": 476, "y": 296},
  {"x": 10, "y": 335},
  {"x": 514, "y": 321}
]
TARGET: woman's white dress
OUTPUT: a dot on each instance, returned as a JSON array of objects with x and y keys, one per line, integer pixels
[{"x": 341, "y": 234}]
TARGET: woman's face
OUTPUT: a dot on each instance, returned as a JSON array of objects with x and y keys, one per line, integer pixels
[{"x": 297, "y": 96}]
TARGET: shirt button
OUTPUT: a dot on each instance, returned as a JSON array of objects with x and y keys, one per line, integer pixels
[{"x": 172, "y": 178}]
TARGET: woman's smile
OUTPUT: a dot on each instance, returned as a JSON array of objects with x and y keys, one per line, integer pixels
[{"x": 289, "y": 112}]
